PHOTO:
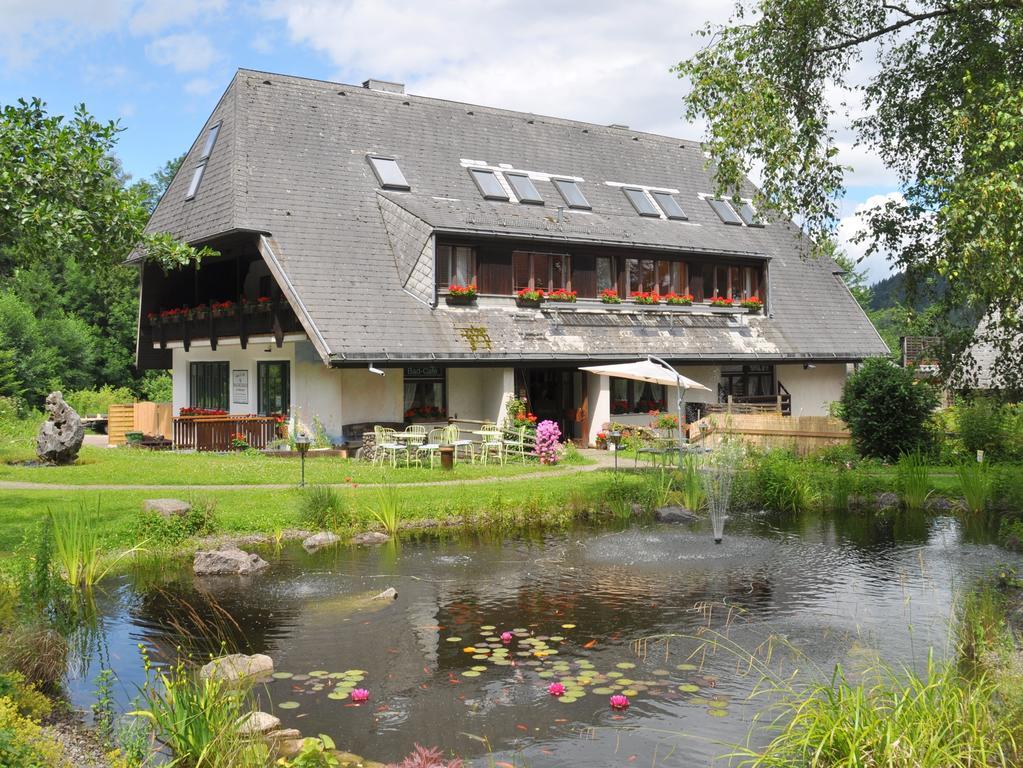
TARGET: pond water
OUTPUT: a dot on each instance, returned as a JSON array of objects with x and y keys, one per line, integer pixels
[{"x": 586, "y": 607}]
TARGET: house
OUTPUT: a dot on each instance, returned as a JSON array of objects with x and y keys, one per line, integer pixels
[{"x": 343, "y": 215}]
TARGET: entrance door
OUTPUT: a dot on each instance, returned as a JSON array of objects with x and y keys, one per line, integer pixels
[{"x": 552, "y": 395}]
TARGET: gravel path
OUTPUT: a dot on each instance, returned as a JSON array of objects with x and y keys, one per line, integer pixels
[{"x": 81, "y": 747}]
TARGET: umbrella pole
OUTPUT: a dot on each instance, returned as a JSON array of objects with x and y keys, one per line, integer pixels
[{"x": 681, "y": 430}]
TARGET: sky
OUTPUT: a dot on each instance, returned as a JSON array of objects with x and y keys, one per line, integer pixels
[{"x": 159, "y": 66}]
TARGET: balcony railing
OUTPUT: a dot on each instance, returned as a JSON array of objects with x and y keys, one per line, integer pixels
[
  {"x": 266, "y": 318},
  {"x": 218, "y": 433}
]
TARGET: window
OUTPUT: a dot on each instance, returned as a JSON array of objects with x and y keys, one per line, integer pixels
[
  {"x": 208, "y": 386},
  {"x": 724, "y": 211},
  {"x": 637, "y": 397},
  {"x": 606, "y": 278},
  {"x": 425, "y": 393},
  {"x": 547, "y": 271},
  {"x": 525, "y": 189},
  {"x": 193, "y": 185},
  {"x": 641, "y": 274},
  {"x": 489, "y": 185},
  {"x": 211, "y": 139},
  {"x": 456, "y": 265},
  {"x": 671, "y": 277},
  {"x": 570, "y": 191},
  {"x": 746, "y": 381},
  {"x": 749, "y": 216},
  {"x": 643, "y": 205},
  {"x": 736, "y": 283},
  {"x": 388, "y": 173},
  {"x": 669, "y": 205},
  {"x": 273, "y": 387}
]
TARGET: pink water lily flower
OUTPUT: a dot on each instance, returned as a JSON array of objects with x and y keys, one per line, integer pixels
[
  {"x": 360, "y": 695},
  {"x": 618, "y": 701},
  {"x": 555, "y": 689},
  {"x": 506, "y": 637}
]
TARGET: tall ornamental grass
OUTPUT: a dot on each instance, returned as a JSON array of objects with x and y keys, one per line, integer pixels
[
  {"x": 690, "y": 484},
  {"x": 976, "y": 484},
  {"x": 913, "y": 479},
  {"x": 388, "y": 510},
  {"x": 76, "y": 548}
]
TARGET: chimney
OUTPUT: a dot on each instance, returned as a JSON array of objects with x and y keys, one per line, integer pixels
[{"x": 384, "y": 85}]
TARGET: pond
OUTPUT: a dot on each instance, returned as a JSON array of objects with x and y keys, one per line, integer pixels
[{"x": 585, "y": 607}]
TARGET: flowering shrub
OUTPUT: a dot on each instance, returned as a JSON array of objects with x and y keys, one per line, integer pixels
[
  {"x": 468, "y": 291},
  {"x": 610, "y": 296},
  {"x": 753, "y": 304},
  {"x": 645, "y": 297},
  {"x": 664, "y": 420},
  {"x": 201, "y": 412},
  {"x": 684, "y": 300},
  {"x": 619, "y": 406},
  {"x": 239, "y": 442},
  {"x": 530, "y": 294},
  {"x": 561, "y": 295},
  {"x": 721, "y": 301},
  {"x": 425, "y": 412},
  {"x": 602, "y": 440},
  {"x": 548, "y": 445}
]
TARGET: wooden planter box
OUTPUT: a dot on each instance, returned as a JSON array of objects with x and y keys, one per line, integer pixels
[
  {"x": 531, "y": 303},
  {"x": 459, "y": 301}
]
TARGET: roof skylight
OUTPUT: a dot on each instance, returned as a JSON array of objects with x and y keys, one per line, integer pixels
[
  {"x": 669, "y": 205},
  {"x": 490, "y": 186},
  {"x": 750, "y": 216},
  {"x": 724, "y": 211},
  {"x": 570, "y": 191},
  {"x": 388, "y": 173},
  {"x": 644, "y": 205},
  {"x": 211, "y": 139},
  {"x": 525, "y": 189},
  {"x": 193, "y": 185}
]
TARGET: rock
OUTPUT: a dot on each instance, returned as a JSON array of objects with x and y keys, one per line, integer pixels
[
  {"x": 887, "y": 500},
  {"x": 674, "y": 514},
  {"x": 290, "y": 747},
  {"x": 388, "y": 594},
  {"x": 255, "y": 723},
  {"x": 167, "y": 507},
  {"x": 227, "y": 562},
  {"x": 238, "y": 666},
  {"x": 370, "y": 537},
  {"x": 283, "y": 734},
  {"x": 941, "y": 505},
  {"x": 60, "y": 436},
  {"x": 320, "y": 540}
]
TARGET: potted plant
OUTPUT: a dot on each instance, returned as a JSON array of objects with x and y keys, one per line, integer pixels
[
  {"x": 222, "y": 308},
  {"x": 610, "y": 296},
  {"x": 461, "y": 295},
  {"x": 645, "y": 297},
  {"x": 529, "y": 297},
  {"x": 133, "y": 439},
  {"x": 721, "y": 301},
  {"x": 561, "y": 295},
  {"x": 753, "y": 304},
  {"x": 198, "y": 312},
  {"x": 679, "y": 300},
  {"x": 175, "y": 315}
]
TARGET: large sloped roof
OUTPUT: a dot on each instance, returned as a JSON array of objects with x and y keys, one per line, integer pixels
[{"x": 290, "y": 162}]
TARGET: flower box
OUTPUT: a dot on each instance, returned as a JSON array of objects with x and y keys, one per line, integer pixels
[
  {"x": 222, "y": 308},
  {"x": 198, "y": 313},
  {"x": 685, "y": 300},
  {"x": 562, "y": 295},
  {"x": 459, "y": 300},
  {"x": 610, "y": 296},
  {"x": 721, "y": 301},
  {"x": 752, "y": 304},
  {"x": 528, "y": 297},
  {"x": 461, "y": 295},
  {"x": 173, "y": 315},
  {"x": 645, "y": 297}
]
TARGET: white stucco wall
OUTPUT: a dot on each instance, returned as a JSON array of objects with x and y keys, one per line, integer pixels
[
  {"x": 812, "y": 389},
  {"x": 465, "y": 393},
  {"x": 366, "y": 396},
  {"x": 598, "y": 395},
  {"x": 316, "y": 391},
  {"x": 497, "y": 388}
]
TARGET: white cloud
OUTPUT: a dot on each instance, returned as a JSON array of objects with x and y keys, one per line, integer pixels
[
  {"x": 607, "y": 62},
  {"x": 31, "y": 30},
  {"x": 876, "y": 265},
  {"x": 154, "y": 16},
  {"x": 184, "y": 52}
]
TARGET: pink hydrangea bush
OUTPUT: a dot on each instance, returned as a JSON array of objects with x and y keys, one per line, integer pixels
[{"x": 548, "y": 442}]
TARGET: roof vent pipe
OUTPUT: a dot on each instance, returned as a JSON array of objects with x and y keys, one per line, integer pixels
[
  {"x": 623, "y": 126},
  {"x": 383, "y": 85}
]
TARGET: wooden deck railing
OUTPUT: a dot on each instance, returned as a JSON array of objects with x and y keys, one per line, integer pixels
[{"x": 215, "y": 433}]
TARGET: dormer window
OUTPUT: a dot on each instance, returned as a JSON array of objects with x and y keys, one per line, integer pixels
[
  {"x": 489, "y": 185},
  {"x": 388, "y": 173},
  {"x": 644, "y": 205},
  {"x": 571, "y": 193},
  {"x": 669, "y": 205},
  {"x": 724, "y": 212},
  {"x": 524, "y": 188}
]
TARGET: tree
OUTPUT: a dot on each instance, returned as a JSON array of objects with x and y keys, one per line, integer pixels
[
  {"x": 854, "y": 279},
  {"x": 886, "y": 409},
  {"x": 944, "y": 110},
  {"x": 152, "y": 189}
]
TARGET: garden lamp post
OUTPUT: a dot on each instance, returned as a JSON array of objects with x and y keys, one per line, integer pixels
[
  {"x": 615, "y": 438},
  {"x": 302, "y": 443}
]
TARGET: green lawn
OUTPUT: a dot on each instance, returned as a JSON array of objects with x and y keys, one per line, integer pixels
[{"x": 124, "y": 466}]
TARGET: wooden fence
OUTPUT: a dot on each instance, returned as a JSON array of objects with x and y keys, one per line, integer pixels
[
  {"x": 215, "y": 433},
  {"x": 803, "y": 434},
  {"x": 148, "y": 418}
]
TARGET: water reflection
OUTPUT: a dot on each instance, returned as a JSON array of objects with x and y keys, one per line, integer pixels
[{"x": 582, "y": 604}]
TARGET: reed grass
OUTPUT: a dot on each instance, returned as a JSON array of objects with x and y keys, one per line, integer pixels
[
  {"x": 690, "y": 486},
  {"x": 976, "y": 484},
  {"x": 76, "y": 546},
  {"x": 913, "y": 478},
  {"x": 840, "y": 490},
  {"x": 388, "y": 510}
]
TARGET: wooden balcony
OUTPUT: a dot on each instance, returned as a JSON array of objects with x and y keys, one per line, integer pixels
[{"x": 242, "y": 321}]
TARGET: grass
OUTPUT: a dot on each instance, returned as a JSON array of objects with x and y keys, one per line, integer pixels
[
  {"x": 103, "y": 466},
  {"x": 913, "y": 478},
  {"x": 388, "y": 510},
  {"x": 976, "y": 483}
]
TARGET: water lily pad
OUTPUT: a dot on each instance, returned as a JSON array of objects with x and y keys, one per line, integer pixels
[
  {"x": 453, "y": 639},
  {"x": 556, "y": 639},
  {"x": 604, "y": 691},
  {"x": 481, "y": 656},
  {"x": 568, "y": 626},
  {"x": 470, "y": 673},
  {"x": 545, "y": 674},
  {"x": 625, "y": 665},
  {"x": 337, "y": 696},
  {"x": 566, "y": 699},
  {"x": 630, "y": 692},
  {"x": 288, "y": 705},
  {"x": 336, "y": 675},
  {"x": 488, "y": 628},
  {"x": 625, "y": 681},
  {"x": 614, "y": 674},
  {"x": 686, "y": 667},
  {"x": 300, "y": 678},
  {"x": 661, "y": 672},
  {"x": 699, "y": 700},
  {"x": 282, "y": 675},
  {"x": 501, "y": 662},
  {"x": 479, "y": 668},
  {"x": 717, "y": 712},
  {"x": 689, "y": 688}
]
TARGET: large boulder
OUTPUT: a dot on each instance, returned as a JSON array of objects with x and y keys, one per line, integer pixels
[
  {"x": 674, "y": 514},
  {"x": 320, "y": 540},
  {"x": 258, "y": 723},
  {"x": 60, "y": 436},
  {"x": 371, "y": 537},
  {"x": 167, "y": 507},
  {"x": 237, "y": 667},
  {"x": 227, "y": 562}
]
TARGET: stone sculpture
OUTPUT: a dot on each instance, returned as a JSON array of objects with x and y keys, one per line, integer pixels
[{"x": 60, "y": 436}]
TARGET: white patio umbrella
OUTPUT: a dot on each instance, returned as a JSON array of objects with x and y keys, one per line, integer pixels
[{"x": 653, "y": 370}]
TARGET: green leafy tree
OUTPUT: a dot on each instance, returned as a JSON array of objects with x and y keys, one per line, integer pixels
[
  {"x": 944, "y": 109},
  {"x": 887, "y": 409}
]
